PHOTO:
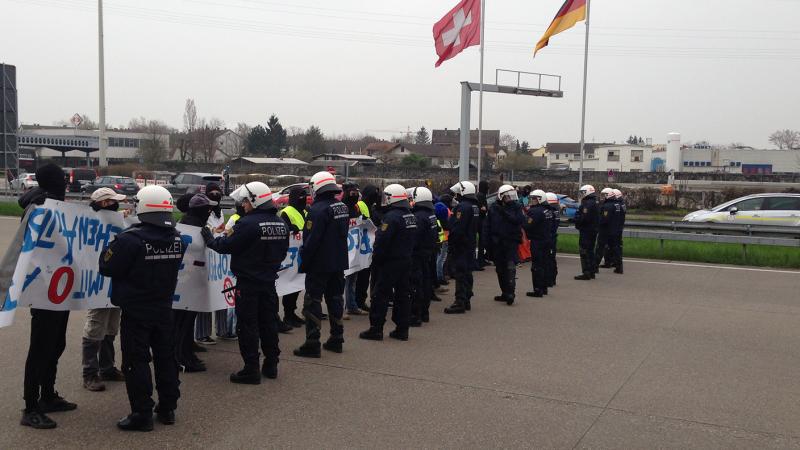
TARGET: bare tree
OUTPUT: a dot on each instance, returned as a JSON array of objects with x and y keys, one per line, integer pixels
[
  {"x": 153, "y": 149},
  {"x": 187, "y": 146},
  {"x": 206, "y": 138},
  {"x": 509, "y": 141},
  {"x": 785, "y": 139},
  {"x": 243, "y": 130}
]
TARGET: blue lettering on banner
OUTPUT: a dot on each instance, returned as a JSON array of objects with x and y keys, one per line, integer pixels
[
  {"x": 292, "y": 258},
  {"x": 68, "y": 233},
  {"x": 9, "y": 304},
  {"x": 217, "y": 266},
  {"x": 93, "y": 233},
  {"x": 42, "y": 231},
  {"x": 186, "y": 239},
  {"x": 30, "y": 277},
  {"x": 91, "y": 284},
  {"x": 361, "y": 236}
]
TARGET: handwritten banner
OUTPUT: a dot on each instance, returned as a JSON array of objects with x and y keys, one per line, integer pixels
[{"x": 55, "y": 263}]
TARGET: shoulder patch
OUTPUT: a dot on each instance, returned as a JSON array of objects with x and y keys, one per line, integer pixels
[
  {"x": 586, "y": 210},
  {"x": 107, "y": 255},
  {"x": 309, "y": 224},
  {"x": 384, "y": 227},
  {"x": 530, "y": 220},
  {"x": 458, "y": 215}
]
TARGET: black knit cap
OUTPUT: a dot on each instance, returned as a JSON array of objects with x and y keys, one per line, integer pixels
[{"x": 51, "y": 179}]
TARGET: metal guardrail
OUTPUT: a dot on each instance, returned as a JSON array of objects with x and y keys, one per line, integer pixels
[
  {"x": 700, "y": 237},
  {"x": 718, "y": 228}
]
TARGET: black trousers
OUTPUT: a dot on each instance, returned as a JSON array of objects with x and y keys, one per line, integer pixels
[
  {"x": 289, "y": 302},
  {"x": 615, "y": 251},
  {"x": 540, "y": 260},
  {"x": 329, "y": 285},
  {"x": 256, "y": 321},
  {"x": 143, "y": 335},
  {"x": 362, "y": 287},
  {"x": 505, "y": 265},
  {"x": 586, "y": 243},
  {"x": 48, "y": 340},
  {"x": 420, "y": 284},
  {"x": 601, "y": 250},
  {"x": 552, "y": 266},
  {"x": 391, "y": 284},
  {"x": 184, "y": 336},
  {"x": 462, "y": 263}
]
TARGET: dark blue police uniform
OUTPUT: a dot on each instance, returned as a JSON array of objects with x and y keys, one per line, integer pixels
[
  {"x": 503, "y": 231},
  {"x": 607, "y": 210},
  {"x": 143, "y": 263},
  {"x": 257, "y": 244},
  {"x": 461, "y": 251},
  {"x": 552, "y": 266},
  {"x": 324, "y": 258},
  {"x": 586, "y": 221},
  {"x": 539, "y": 229},
  {"x": 422, "y": 274}
]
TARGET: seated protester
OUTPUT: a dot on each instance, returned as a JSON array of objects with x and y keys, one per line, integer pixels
[
  {"x": 196, "y": 215},
  {"x": 102, "y": 324},
  {"x": 48, "y": 328}
]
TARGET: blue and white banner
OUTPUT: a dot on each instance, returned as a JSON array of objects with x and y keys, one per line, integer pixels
[{"x": 55, "y": 260}]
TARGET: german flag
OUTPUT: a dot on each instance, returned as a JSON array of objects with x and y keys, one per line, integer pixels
[{"x": 571, "y": 12}]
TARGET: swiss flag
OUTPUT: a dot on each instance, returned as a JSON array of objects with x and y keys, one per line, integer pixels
[{"x": 458, "y": 29}]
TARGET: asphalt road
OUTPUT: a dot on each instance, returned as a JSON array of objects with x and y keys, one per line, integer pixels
[{"x": 665, "y": 356}]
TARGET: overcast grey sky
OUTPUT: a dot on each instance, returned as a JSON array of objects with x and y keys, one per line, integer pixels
[{"x": 722, "y": 70}]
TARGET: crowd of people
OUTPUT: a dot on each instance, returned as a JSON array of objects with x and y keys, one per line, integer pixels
[{"x": 422, "y": 242}]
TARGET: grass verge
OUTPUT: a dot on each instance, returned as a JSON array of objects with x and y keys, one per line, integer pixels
[
  {"x": 10, "y": 209},
  {"x": 706, "y": 252}
]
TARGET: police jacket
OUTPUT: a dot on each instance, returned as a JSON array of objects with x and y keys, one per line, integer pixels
[
  {"x": 623, "y": 213},
  {"x": 464, "y": 225},
  {"x": 503, "y": 225},
  {"x": 143, "y": 263},
  {"x": 396, "y": 237},
  {"x": 325, "y": 236},
  {"x": 556, "y": 219},
  {"x": 616, "y": 217},
  {"x": 427, "y": 231},
  {"x": 539, "y": 226},
  {"x": 257, "y": 244},
  {"x": 608, "y": 211},
  {"x": 587, "y": 217}
]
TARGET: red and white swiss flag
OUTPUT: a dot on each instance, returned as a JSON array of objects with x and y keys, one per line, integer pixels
[{"x": 458, "y": 29}]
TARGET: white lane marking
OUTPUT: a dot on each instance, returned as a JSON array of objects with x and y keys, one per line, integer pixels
[
  {"x": 11, "y": 218},
  {"x": 704, "y": 266}
]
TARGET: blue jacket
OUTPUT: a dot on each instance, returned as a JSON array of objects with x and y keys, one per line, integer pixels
[
  {"x": 464, "y": 226},
  {"x": 325, "y": 236},
  {"x": 257, "y": 245},
  {"x": 539, "y": 227},
  {"x": 396, "y": 237},
  {"x": 587, "y": 217},
  {"x": 143, "y": 262},
  {"x": 427, "y": 232}
]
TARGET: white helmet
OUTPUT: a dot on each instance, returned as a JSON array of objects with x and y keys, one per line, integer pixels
[
  {"x": 607, "y": 192},
  {"x": 420, "y": 194},
  {"x": 617, "y": 193},
  {"x": 323, "y": 182},
  {"x": 239, "y": 194},
  {"x": 463, "y": 188},
  {"x": 154, "y": 206},
  {"x": 507, "y": 191},
  {"x": 257, "y": 193},
  {"x": 539, "y": 195},
  {"x": 587, "y": 189},
  {"x": 394, "y": 193},
  {"x": 551, "y": 198}
]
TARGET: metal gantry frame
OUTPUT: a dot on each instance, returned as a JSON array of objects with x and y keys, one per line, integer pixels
[
  {"x": 466, "y": 99},
  {"x": 9, "y": 137}
]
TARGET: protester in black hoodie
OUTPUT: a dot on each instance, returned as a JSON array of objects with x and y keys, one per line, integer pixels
[
  {"x": 483, "y": 192},
  {"x": 371, "y": 196},
  {"x": 48, "y": 328}
]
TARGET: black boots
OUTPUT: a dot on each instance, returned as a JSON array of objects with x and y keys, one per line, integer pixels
[
  {"x": 270, "y": 370},
  {"x": 165, "y": 416},
  {"x": 36, "y": 419},
  {"x": 308, "y": 350},
  {"x": 136, "y": 422},
  {"x": 538, "y": 293},
  {"x": 372, "y": 334},
  {"x": 585, "y": 276},
  {"x": 292, "y": 319},
  {"x": 333, "y": 345},
  {"x": 456, "y": 308},
  {"x": 399, "y": 335},
  {"x": 248, "y": 375}
]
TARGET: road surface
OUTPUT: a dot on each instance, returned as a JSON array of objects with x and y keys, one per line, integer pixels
[{"x": 665, "y": 356}]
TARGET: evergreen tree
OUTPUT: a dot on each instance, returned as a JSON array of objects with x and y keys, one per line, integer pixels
[
  {"x": 276, "y": 137},
  {"x": 258, "y": 141},
  {"x": 422, "y": 137}
]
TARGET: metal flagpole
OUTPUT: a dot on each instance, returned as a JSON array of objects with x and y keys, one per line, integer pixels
[
  {"x": 583, "y": 109},
  {"x": 480, "y": 97},
  {"x": 102, "y": 88}
]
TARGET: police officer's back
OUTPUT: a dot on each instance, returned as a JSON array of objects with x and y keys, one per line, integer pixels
[
  {"x": 423, "y": 269},
  {"x": 587, "y": 220},
  {"x": 324, "y": 258},
  {"x": 143, "y": 263},
  {"x": 463, "y": 226},
  {"x": 539, "y": 229},
  {"x": 503, "y": 232},
  {"x": 391, "y": 263}
]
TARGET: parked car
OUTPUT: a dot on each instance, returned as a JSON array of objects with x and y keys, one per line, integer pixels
[
  {"x": 24, "y": 182},
  {"x": 281, "y": 198},
  {"x": 192, "y": 182},
  {"x": 120, "y": 185},
  {"x": 77, "y": 177},
  {"x": 757, "y": 209},
  {"x": 569, "y": 206}
]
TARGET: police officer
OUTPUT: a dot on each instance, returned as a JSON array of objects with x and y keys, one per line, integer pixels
[
  {"x": 615, "y": 239},
  {"x": 143, "y": 262},
  {"x": 552, "y": 269},
  {"x": 257, "y": 244},
  {"x": 539, "y": 228},
  {"x": 324, "y": 258},
  {"x": 503, "y": 232},
  {"x": 461, "y": 253},
  {"x": 422, "y": 272},
  {"x": 586, "y": 221},
  {"x": 391, "y": 263},
  {"x": 294, "y": 214},
  {"x": 607, "y": 211}
]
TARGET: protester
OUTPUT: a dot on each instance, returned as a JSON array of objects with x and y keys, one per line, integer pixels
[
  {"x": 371, "y": 201},
  {"x": 48, "y": 328},
  {"x": 203, "y": 323},
  {"x": 102, "y": 324},
  {"x": 442, "y": 209},
  {"x": 143, "y": 262},
  {"x": 294, "y": 214}
]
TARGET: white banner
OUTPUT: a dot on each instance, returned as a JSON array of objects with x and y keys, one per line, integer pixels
[{"x": 60, "y": 245}]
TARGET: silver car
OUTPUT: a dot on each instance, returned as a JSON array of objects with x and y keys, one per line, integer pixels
[
  {"x": 24, "y": 182},
  {"x": 758, "y": 209}
]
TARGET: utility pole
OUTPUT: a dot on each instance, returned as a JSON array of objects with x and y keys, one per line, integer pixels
[{"x": 102, "y": 87}]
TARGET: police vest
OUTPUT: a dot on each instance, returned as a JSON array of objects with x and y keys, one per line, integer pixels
[
  {"x": 295, "y": 217},
  {"x": 442, "y": 233},
  {"x": 363, "y": 208}
]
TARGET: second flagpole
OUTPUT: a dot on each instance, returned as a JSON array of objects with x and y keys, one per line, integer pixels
[
  {"x": 583, "y": 108},
  {"x": 480, "y": 96}
]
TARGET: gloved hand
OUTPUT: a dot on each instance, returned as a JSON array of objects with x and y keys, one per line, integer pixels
[{"x": 207, "y": 235}]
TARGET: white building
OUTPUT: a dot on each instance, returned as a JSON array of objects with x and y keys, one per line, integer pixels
[
  {"x": 123, "y": 146},
  {"x": 747, "y": 160},
  {"x": 616, "y": 158}
]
